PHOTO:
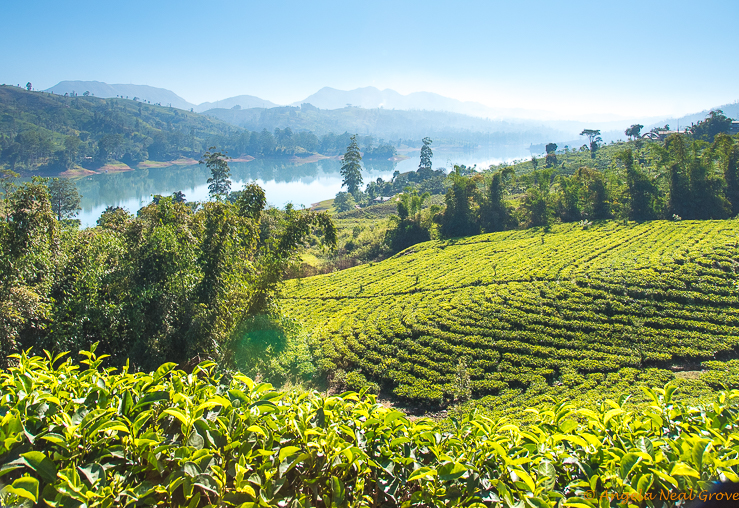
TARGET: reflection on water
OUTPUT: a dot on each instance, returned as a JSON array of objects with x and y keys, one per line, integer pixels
[{"x": 283, "y": 182}]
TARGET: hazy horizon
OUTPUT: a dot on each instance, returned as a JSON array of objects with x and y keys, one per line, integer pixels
[{"x": 630, "y": 59}]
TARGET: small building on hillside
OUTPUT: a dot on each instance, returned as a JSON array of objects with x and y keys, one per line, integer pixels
[{"x": 734, "y": 127}]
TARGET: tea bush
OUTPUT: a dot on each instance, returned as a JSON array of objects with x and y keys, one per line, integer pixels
[{"x": 90, "y": 436}]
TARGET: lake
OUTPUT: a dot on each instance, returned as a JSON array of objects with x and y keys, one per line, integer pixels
[{"x": 284, "y": 182}]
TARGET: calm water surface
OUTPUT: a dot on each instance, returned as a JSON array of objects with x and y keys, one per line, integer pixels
[{"x": 283, "y": 182}]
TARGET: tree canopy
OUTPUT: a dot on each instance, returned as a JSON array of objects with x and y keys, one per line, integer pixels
[
  {"x": 171, "y": 283},
  {"x": 351, "y": 168},
  {"x": 426, "y": 155},
  {"x": 634, "y": 131},
  {"x": 715, "y": 123},
  {"x": 219, "y": 184},
  {"x": 65, "y": 200}
]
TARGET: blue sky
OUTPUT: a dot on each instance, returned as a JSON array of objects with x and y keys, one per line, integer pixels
[{"x": 643, "y": 58}]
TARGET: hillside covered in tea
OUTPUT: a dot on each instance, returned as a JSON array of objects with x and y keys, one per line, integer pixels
[{"x": 506, "y": 310}]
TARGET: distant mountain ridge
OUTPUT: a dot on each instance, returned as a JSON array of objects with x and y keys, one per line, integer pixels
[
  {"x": 155, "y": 95},
  {"x": 326, "y": 98},
  {"x": 104, "y": 90},
  {"x": 242, "y": 101},
  {"x": 731, "y": 110},
  {"x": 372, "y": 98}
]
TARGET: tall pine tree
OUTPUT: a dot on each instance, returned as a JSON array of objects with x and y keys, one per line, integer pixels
[
  {"x": 426, "y": 155},
  {"x": 351, "y": 169}
]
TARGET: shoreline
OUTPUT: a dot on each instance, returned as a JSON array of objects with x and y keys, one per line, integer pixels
[{"x": 121, "y": 167}]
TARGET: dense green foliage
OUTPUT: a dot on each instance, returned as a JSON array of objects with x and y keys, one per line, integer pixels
[
  {"x": 176, "y": 281},
  {"x": 351, "y": 167},
  {"x": 65, "y": 200},
  {"x": 426, "y": 154},
  {"x": 45, "y": 133},
  {"x": 89, "y": 436},
  {"x": 407, "y": 227},
  {"x": 715, "y": 123},
  {"x": 524, "y": 307},
  {"x": 683, "y": 178},
  {"x": 219, "y": 183}
]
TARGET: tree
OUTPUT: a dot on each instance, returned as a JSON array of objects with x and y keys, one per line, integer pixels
[
  {"x": 594, "y": 193},
  {"x": 634, "y": 131},
  {"x": 731, "y": 175},
  {"x": 642, "y": 195},
  {"x": 460, "y": 215},
  {"x": 407, "y": 228},
  {"x": 351, "y": 169},
  {"x": 426, "y": 155},
  {"x": 7, "y": 184},
  {"x": 29, "y": 247},
  {"x": 696, "y": 192},
  {"x": 593, "y": 139},
  {"x": 591, "y": 134},
  {"x": 728, "y": 153},
  {"x": 551, "y": 158},
  {"x": 71, "y": 150},
  {"x": 65, "y": 200},
  {"x": 536, "y": 206},
  {"x": 344, "y": 202},
  {"x": 495, "y": 214},
  {"x": 219, "y": 184},
  {"x": 29, "y": 86},
  {"x": 715, "y": 123}
]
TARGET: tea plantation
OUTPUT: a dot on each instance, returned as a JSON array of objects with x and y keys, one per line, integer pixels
[
  {"x": 505, "y": 310},
  {"x": 87, "y": 436}
]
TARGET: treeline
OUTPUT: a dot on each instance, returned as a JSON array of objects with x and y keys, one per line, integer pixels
[
  {"x": 41, "y": 132},
  {"x": 682, "y": 178},
  {"x": 176, "y": 281},
  {"x": 285, "y": 142},
  {"x": 443, "y": 126}
]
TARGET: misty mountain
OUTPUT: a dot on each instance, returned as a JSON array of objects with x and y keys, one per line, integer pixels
[
  {"x": 370, "y": 98},
  {"x": 242, "y": 101},
  {"x": 730, "y": 110},
  {"x": 390, "y": 124},
  {"x": 154, "y": 95},
  {"x": 104, "y": 90}
]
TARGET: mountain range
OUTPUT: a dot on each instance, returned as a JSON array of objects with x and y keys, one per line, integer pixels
[
  {"x": 371, "y": 98},
  {"x": 326, "y": 98}
]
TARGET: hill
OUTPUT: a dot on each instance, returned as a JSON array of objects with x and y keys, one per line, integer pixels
[
  {"x": 41, "y": 132},
  {"x": 506, "y": 311},
  {"x": 145, "y": 93},
  {"x": 731, "y": 110}
]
